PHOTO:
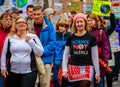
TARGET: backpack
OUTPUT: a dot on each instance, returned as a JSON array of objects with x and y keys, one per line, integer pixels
[
  {"x": 99, "y": 48},
  {"x": 107, "y": 68}
]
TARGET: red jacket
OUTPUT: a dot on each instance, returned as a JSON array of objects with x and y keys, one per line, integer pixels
[{"x": 3, "y": 35}]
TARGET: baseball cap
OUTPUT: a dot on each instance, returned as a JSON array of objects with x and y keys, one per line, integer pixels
[{"x": 14, "y": 10}]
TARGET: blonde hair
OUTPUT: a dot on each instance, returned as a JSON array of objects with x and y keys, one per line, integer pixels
[
  {"x": 62, "y": 22},
  {"x": 74, "y": 29},
  {"x": 14, "y": 30}
]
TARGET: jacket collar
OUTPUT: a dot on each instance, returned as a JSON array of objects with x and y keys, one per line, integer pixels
[
  {"x": 44, "y": 24},
  {"x": 66, "y": 34}
]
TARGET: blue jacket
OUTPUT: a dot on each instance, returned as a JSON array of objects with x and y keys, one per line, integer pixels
[
  {"x": 1, "y": 2},
  {"x": 48, "y": 40},
  {"x": 61, "y": 41}
]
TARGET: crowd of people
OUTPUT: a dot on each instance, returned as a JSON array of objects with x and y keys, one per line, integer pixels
[{"x": 70, "y": 50}]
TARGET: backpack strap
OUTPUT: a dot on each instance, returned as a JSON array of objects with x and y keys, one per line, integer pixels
[
  {"x": 101, "y": 35},
  {"x": 8, "y": 55},
  {"x": 100, "y": 38},
  {"x": 8, "y": 49}
]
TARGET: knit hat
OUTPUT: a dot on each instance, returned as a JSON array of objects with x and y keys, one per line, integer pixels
[
  {"x": 79, "y": 15},
  {"x": 48, "y": 11}
]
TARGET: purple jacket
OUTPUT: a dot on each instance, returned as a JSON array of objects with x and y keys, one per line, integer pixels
[
  {"x": 118, "y": 30},
  {"x": 104, "y": 44}
]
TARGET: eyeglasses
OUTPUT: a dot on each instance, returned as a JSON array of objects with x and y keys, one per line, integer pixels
[
  {"x": 22, "y": 22},
  {"x": 7, "y": 19}
]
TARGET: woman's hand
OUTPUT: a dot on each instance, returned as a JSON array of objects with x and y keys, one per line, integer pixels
[
  {"x": 111, "y": 11},
  {"x": 65, "y": 75},
  {"x": 97, "y": 78},
  {"x": 4, "y": 73},
  {"x": 27, "y": 38}
]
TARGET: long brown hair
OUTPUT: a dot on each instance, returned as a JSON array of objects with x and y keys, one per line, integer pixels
[
  {"x": 100, "y": 23},
  {"x": 94, "y": 17}
]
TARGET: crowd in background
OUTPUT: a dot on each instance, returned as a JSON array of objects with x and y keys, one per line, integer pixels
[{"x": 70, "y": 50}]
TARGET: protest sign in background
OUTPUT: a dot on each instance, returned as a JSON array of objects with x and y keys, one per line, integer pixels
[
  {"x": 87, "y": 7},
  {"x": 77, "y": 6},
  {"x": 101, "y": 8},
  {"x": 20, "y": 4},
  {"x": 116, "y": 9}
]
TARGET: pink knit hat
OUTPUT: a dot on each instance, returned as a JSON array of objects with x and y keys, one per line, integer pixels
[{"x": 79, "y": 15}]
